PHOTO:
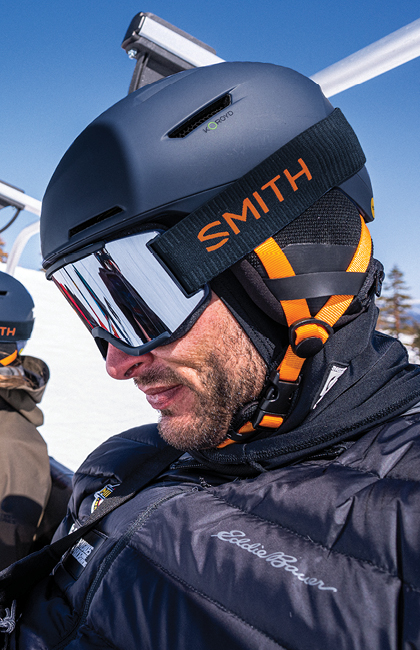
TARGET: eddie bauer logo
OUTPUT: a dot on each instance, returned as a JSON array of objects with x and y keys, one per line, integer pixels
[
  {"x": 278, "y": 559},
  {"x": 249, "y": 204}
]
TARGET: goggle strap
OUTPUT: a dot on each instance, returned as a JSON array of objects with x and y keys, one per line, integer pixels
[{"x": 263, "y": 201}]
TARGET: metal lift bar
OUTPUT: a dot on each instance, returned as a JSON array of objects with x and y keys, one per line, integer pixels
[
  {"x": 389, "y": 52},
  {"x": 161, "y": 49},
  {"x": 153, "y": 42},
  {"x": 12, "y": 196},
  {"x": 19, "y": 244}
]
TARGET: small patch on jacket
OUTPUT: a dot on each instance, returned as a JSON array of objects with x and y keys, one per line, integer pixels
[
  {"x": 333, "y": 376},
  {"x": 102, "y": 494},
  {"x": 82, "y": 553}
]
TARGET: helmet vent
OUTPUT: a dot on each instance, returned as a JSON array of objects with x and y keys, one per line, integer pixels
[
  {"x": 201, "y": 117},
  {"x": 94, "y": 220}
]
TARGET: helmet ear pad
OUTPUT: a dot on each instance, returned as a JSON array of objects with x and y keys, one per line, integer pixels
[
  {"x": 8, "y": 353},
  {"x": 252, "y": 279},
  {"x": 322, "y": 239},
  {"x": 268, "y": 338}
]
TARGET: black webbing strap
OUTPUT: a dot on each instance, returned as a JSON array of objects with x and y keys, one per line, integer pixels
[
  {"x": 261, "y": 203},
  {"x": 316, "y": 285},
  {"x": 20, "y": 577}
]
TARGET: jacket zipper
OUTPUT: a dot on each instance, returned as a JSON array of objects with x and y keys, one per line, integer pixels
[{"x": 136, "y": 525}]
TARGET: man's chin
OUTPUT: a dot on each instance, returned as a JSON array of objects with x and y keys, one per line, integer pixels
[{"x": 186, "y": 433}]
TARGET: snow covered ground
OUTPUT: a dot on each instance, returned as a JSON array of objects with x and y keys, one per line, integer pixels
[{"x": 82, "y": 405}]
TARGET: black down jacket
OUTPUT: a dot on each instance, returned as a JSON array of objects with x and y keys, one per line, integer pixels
[
  {"x": 322, "y": 554},
  {"x": 262, "y": 546}
]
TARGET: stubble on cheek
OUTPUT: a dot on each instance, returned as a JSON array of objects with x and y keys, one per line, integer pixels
[
  {"x": 207, "y": 417},
  {"x": 227, "y": 378}
]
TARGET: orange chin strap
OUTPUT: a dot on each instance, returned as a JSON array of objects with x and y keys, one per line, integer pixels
[{"x": 277, "y": 265}]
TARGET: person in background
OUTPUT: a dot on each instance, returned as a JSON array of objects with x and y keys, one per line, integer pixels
[{"x": 25, "y": 479}]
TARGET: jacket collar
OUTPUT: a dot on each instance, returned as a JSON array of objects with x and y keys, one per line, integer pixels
[{"x": 376, "y": 383}]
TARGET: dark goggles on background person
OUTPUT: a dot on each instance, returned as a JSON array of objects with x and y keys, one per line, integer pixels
[{"x": 126, "y": 297}]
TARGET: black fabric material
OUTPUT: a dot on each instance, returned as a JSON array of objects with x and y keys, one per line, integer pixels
[
  {"x": 267, "y": 337},
  {"x": 260, "y": 314},
  {"x": 315, "y": 285},
  {"x": 378, "y": 384},
  {"x": 314, "y": 257},
  {"x": 6, "y": 349},
  {"x": 332, "y": 154},
  {"x": 333, "y": 220},
  {"x": 371, "y": 287},
  {"x": 317, "y": 548}
]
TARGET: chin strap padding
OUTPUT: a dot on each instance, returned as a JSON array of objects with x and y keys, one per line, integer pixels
[{"x": 307, "y": 335}]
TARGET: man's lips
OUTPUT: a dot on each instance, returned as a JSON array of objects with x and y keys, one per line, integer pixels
[{"x": 160, "y": 397}]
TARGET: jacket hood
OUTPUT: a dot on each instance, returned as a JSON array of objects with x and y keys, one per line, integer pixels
[
  {"x": 25, "y": 398},
  {"x": 360, "y": 378}
]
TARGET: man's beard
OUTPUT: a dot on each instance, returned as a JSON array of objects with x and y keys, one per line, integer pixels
[{"x": 230, "y": 377}]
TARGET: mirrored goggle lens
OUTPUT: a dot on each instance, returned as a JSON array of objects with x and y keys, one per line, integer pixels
[{"x": 125, "y": 296}]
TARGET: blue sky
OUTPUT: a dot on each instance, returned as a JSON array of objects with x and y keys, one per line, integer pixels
[{"x": 61, "y": 65}]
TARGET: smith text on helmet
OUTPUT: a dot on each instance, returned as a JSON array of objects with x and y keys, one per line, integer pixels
[{"x": 248, "y": 204}]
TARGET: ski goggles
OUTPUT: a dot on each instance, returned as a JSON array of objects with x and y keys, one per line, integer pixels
[{"x": 126, "y": 297}]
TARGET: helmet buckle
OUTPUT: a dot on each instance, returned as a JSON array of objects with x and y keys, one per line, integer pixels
[{"x": 276, "y": 399}]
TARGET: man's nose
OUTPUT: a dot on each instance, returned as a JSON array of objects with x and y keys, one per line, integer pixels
[{"x": 120, "y": 365}]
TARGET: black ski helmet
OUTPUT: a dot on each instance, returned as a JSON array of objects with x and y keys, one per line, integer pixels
[
  {"x": 164, "y": 150},
  {"x": 16, "y": 316}
]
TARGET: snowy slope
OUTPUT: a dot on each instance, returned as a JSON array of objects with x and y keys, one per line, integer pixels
[{"x": 82, "y": 405}]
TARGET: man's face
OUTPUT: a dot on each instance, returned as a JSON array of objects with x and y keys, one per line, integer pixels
[{"x": 199, "y": 381}]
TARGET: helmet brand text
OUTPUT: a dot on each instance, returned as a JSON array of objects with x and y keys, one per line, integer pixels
[
  {"x": 255, "y": 205},
  {"x": 211, "y": 126},
  {"x": 7, "y": 331}
]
